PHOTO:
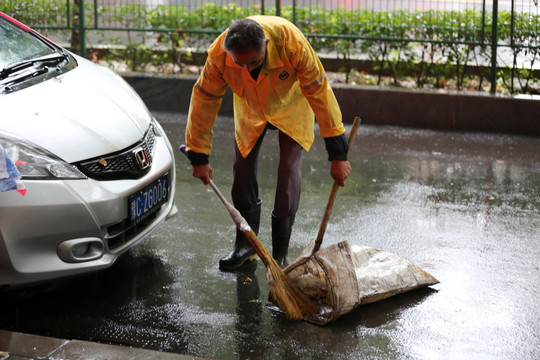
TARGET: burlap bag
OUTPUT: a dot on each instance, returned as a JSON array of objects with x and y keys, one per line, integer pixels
[{"x": 341, "y": 277}]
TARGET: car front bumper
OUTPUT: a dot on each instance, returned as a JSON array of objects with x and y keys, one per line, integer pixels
[{"x": 40, "y": 232}]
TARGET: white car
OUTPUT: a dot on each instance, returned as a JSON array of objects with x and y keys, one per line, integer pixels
[{"x": 86, "y": 172}]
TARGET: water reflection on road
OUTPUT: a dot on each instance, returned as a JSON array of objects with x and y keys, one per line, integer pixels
[{"x": 462, "y": 206}]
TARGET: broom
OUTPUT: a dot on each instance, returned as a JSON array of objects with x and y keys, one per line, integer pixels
[{"x": 289, "y": 299}]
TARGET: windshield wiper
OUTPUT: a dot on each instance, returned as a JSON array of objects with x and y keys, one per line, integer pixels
[{"x": 55, "y": 58}]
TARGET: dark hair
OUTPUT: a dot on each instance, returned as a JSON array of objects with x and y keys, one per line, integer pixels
[{"x": 245, "y": 35}]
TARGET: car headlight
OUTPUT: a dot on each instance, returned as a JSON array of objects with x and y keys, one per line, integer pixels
[
  {"x": 36, "y": 163},
  {"x": 158, "y": 130}
]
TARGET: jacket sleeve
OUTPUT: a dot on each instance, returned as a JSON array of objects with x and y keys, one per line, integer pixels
[
  {"x": 206, "y": 98},
  {"x": 316, "y": 88},
  {"x": 337, "y": 147}
]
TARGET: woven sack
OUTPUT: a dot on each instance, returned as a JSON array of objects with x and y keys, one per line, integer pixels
[{"x": 341, "y": 277}]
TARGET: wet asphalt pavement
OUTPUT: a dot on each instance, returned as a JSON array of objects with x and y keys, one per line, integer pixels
[{"x": 464, "y": 207}]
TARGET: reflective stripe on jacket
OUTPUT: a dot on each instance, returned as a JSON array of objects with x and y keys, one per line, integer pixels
[{"x": 291, "y": 90}]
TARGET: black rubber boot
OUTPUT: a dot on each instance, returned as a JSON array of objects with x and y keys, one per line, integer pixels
[
  {"x": 281, "y": 234},
  {"x": 242, "y": 251}
]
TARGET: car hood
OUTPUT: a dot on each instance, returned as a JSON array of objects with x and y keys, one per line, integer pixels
[{"x": 84, "y": 113}]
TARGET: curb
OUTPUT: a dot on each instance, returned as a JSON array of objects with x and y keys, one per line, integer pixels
[
  {"x": 20, "y": 346},
  {"x": 377, "y": 106}
]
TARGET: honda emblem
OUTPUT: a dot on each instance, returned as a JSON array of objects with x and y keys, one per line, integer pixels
[{"x": 142, "y": 158}]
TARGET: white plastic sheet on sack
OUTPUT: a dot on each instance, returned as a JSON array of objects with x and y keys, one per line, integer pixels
[{"x": 341, "y": 277}]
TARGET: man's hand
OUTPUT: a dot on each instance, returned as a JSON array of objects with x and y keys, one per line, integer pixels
[
  {"x": 203, "y": 172},
  {"x": 340, "y": 170}
]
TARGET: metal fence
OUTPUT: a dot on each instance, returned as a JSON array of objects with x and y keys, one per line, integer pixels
[{"x": 494, "y": 34}]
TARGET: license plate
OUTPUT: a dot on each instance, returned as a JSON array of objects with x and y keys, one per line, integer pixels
[{"x": 149, "y": 199}]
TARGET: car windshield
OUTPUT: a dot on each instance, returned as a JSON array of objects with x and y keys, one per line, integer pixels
[{"x": 17, "y": 45}]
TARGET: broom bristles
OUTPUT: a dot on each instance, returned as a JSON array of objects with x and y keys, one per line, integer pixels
[{"x": 292, "y": 301}]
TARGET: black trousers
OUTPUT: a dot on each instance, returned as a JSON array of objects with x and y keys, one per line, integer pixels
[{"x": 245, "y": 189}]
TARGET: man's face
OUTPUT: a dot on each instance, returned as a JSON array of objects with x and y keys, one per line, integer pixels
[{"x": 249, "y": 60}]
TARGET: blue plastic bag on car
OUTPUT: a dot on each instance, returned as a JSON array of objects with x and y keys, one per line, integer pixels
[{"x": 10, "y": 178}]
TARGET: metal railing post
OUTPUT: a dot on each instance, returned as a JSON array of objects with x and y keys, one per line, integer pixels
[
  {"x": 278, "y": 7},
  {"x": 96, "y": 23},
  {"x": 494, "y": 41},
  {"x": 82, "y": 28},
  {"x": 294, "y": 12}
]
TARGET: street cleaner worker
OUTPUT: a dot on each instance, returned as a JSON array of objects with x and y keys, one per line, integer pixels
[{"x": 279, "y": 84}]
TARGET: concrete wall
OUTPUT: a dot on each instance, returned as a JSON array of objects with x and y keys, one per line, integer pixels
[{"x": 378, "y": 106}]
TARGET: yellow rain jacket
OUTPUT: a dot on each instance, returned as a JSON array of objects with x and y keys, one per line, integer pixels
[{"x": 291, "y": 88}]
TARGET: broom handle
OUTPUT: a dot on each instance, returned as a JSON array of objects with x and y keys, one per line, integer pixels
[
  {"x": 240, "y": 222},
  {"x": 333, "y": 193},
  {"x": 238, "y": 219}
]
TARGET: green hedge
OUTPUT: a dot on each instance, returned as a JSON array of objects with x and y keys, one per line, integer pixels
[{"x": 431, "y": 49}]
